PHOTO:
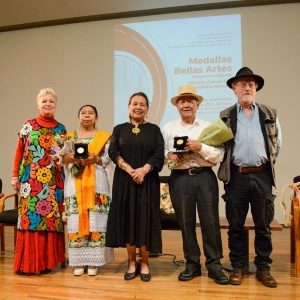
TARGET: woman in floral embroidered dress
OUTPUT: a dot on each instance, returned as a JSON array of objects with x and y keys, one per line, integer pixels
[
  {"x": 38, "y": 180},
  {"x": 87, "y": 196}
]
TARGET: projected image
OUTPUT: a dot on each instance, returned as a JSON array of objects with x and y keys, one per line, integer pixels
[{"x": 158, "y": 57}]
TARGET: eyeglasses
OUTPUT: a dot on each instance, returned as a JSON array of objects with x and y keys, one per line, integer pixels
[{"x": 244, "y": 85}]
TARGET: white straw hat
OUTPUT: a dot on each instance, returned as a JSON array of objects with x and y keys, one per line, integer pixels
[{"x": 186, "y": 90}]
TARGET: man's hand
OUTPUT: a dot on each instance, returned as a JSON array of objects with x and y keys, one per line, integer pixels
[
  {"x": 175, "y": 158},
  {"x": 194, "y": 146}
]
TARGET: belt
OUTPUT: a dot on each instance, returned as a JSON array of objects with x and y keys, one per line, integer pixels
[
  {"x": 192, "y": 171},
  {"x": 247, "y": 170}
]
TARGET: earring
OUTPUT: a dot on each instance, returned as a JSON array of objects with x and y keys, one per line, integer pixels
[
  {"x": 95, "y": 126},
  {"x": 79, "y": 125}
]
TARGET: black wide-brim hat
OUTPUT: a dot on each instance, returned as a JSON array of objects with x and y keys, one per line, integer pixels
[{"x": 246, "y": 72}]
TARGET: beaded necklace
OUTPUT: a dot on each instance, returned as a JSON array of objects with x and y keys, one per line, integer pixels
[{"x": 83, "y": 140}]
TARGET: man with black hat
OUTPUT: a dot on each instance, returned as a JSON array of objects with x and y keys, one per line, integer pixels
[
  {"x": 248, "y": 174},
  {"x": 194, "y": 184}
]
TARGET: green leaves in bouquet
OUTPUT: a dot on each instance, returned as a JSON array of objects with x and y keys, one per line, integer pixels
[{"x": 77, "y": 170}]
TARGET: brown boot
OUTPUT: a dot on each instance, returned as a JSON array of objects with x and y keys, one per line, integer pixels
[
  {"x": 236, "y": 276},
  {"x": 266, "y": 278}
]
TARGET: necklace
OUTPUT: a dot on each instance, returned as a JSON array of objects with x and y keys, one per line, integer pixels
[
  {"x": 85, "y": 139},
  {"x": 136, "y": 130}
]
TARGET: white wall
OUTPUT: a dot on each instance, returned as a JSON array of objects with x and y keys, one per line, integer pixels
[{"x": 77, "y": 61}]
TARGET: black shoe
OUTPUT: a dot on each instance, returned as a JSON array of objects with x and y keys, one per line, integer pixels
[
  {"x": 145, "y": 277},
  {"x": 188, "y": 274},
  {"x": 46, "y": 271},
  {"x": 219, "y": 277},
  {"x": 129, "y": 276},
  {"x": 20, "y": 272}
]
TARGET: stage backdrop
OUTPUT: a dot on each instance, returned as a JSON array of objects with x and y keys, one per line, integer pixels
[{"x": 77, "y": 61}]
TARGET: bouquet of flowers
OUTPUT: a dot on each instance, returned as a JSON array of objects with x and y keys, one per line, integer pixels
[
  {"x": 65, "y": 145},
  {"x": 217, "y": 133}
]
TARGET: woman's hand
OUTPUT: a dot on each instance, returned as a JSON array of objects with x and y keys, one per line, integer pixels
[
  {"x": 93, "y": 159},
  {"x": 69, "y": 158},
  {"x": 138, "y": 175},
  {"x": 15, "y": 183}
]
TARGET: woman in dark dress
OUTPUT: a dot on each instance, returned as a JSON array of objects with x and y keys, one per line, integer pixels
[{"x": 137, "y": 148}]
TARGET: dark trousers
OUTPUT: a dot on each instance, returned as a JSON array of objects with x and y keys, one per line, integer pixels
[
  {"x": 254, "y": 189},
  {"x": 188, "y": 193}
]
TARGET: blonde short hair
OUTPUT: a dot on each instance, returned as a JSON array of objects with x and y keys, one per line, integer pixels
[{"x": 45, "y": 91}]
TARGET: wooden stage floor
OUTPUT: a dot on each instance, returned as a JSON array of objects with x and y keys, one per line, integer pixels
[{"x": 109, "y": 283}]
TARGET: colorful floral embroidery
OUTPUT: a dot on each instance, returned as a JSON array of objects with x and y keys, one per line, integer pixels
[
  {"x": 44, "y": 193},
  {"x": 45, "y": 140},
  {"x": 32, "y": 203},
  {"x": 24, "y": 208},
  {"x": 72, "y": 236},
  {"x": 41, "y": 189},
  {"x": 58, "y": 195},
  {"x": 96, "y": 236},
  {"x": 43, "y": 207},
  {"x": 26, "y": 128},
  {"x": 25, "y": 222},
  {"x": 33, "y": 168},
  {"x": 45, "y": 161},
  {"x": 25, "y": 189},
  {"x": 71, "y": 205},
  {"x": 102, "y": 203},
  {"x": 35, "y": 185},
  {"x": 58, "y": 225},
  {"x": 33, "y": 137},
  {"x": 43, "y": 175},
  {"x": 28, "y": 158},
  {"x": 34, "y": 124},
  {"x": 94, "y": 239},
  {"x": 24, "y": 173}
]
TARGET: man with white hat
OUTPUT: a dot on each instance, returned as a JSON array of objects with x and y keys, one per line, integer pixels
[
  {"x": 248, "y": 174},
  {"x": 194, "y": 184}
]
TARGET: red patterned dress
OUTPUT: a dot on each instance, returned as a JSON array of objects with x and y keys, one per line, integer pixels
[{"x": 40, "y": 238}]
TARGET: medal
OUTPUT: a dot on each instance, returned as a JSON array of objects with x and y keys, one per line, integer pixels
[{"x": 179, "y": 142}]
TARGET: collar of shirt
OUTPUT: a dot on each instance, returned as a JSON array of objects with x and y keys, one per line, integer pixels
[
  {"x": 240, "y": 108},
  {"x": 196, "y": 122}
]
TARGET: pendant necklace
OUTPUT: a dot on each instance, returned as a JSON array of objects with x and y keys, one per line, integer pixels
[{"x": 135, "y": 130}]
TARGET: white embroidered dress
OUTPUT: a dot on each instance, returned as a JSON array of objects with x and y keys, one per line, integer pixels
[{"x": 89, "y": 250}]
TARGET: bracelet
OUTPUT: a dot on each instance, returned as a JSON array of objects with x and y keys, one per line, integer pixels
[
  {"x": 150, "y": 169},
  {"x": 15, "y": 178},
  {"x": 123, "y": 165}
]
